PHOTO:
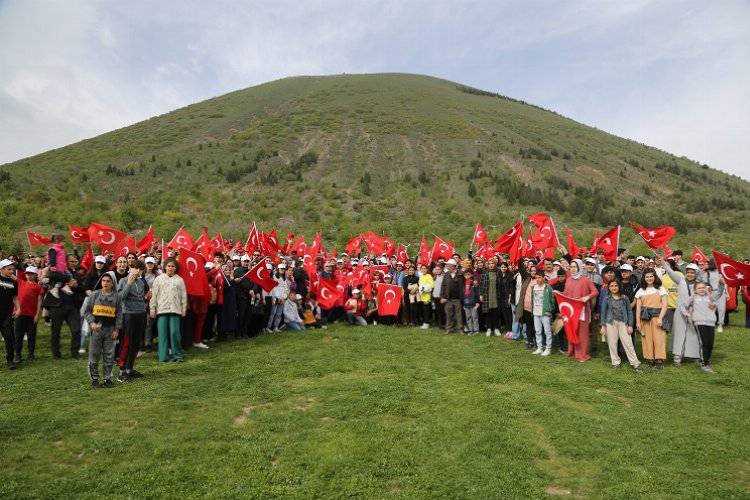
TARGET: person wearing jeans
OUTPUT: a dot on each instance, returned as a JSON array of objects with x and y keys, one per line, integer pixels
[
  {"x": 132, "y": 290},
  {"x": 542, "y": 305},
  {"x": 617, "y": 324},
  {"x": 168, "y": 306},
  {"x": 291, "y": 313},
  {"x": 702, "y": 308},
  {"x": 451, "y": 295}
]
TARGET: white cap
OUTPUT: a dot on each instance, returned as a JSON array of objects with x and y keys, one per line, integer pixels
[
  {"x": 246, "y": 257},
  {"x": 365, "y": 263},
  {"x": 626, "y": 267},
  {"x": 282, "y": 266},
  {"x": 149, "y": 260},
  {"x": 6, "y": 263},
  {"x": 269, "y": 265},
  {"x": 298, "y": 296},
  {"x": 640, "y": 257},
  {"x": 692, "y": 266},
  {"x": 556, "y": 263},
  {"x": 100, "y": 259},
  {"x": 451, "y": 262},
  {"x": 399, "y": 263},
  {"x": 209, "y": 265},
  {"x": 384, "y": 260},
  {"x": 355, "y": 260},
  {"x": 339, "y": 261},
  {"x": 589, "y": 260},
  {"x": 355, "y": 290},
  {"x": 32, "y": 270}
]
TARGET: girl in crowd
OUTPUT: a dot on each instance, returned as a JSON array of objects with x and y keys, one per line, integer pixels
[
  {"x": 426, "y": 284},
  {"x": 702, "y": 308},
  {"x": 617, "y": 324},
  {"x": 542, "y": 306},
  {"x": 650, "y": 308},
  {"x": 168, "y": 306}
]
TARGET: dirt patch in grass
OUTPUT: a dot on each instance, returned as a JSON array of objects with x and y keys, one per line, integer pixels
[
  {"x": 241, "y": 419},
  {"x": 557, "y": 491}
]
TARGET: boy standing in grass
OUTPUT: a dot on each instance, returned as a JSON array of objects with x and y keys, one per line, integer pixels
[
  {"x": 104, "y": 316},
  {"x": 30, "y": 294},
  {"x": 542, "y": 305}
]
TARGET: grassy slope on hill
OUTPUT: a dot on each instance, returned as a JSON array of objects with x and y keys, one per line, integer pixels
[
  {"x": 378, "y": 412},
  {"x": 392, "y": 152}
]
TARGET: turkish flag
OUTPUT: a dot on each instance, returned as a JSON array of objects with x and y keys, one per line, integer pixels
[
  {"x": 147, "y": 241},
  {"x": 389, "y": 299},
  {"x": 545, "y": 235},
  {"x": 374, "y": 243},
  {"x": 608, "y": 242},
  {"x": 328, "y": 293},
  {"x": 570, "y": 310},
  {"x": 193, "y": 272},
  {"x": 735, "y": 273},
  {"x": 425, "y": 255},
  {"x": 217, "y": 243},
  {"x": 203, "y": 245},
  {"x": 253, "y": 239},
  {"x": 389, "y": 246},
  {"x": 480, "y": 236},
  {"x": 104, "y": 236},
  {"x": 573, "y": 249},
  {"x": 182, "y": 239},
  {"x": 401, "y": 255},
  {"x": 486, "y": 252},
  {"x": 87, "y": 261},
  {"x": 121, "y": 247},
  {"x": 507, "y": 240},
  {"x": 698, "y": 256},
  {"x": 270, "y": 242},
  {"x": 299, "y": 246},
  {"x": 37, "y": 240},
  {"x": 655, "y": 237},
  {"x": 441, "y": 249},
  {"x": 261, "y": 275},
  {"x": 79, "y": 235},
  {"x": 288, "y": 243}
]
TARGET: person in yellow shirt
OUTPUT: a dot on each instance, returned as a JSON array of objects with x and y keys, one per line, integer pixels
[
  {"x": 426, "y": 284},
  {"x": 671, "y": 286}
]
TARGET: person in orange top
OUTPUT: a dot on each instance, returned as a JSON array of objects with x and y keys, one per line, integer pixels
[{"x": 30, "y": 294}]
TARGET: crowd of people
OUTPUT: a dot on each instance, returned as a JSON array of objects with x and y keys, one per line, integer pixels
[{"x": 122, "y": 308}]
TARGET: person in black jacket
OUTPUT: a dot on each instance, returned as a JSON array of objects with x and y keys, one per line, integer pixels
[{"x": 451, "y": 295}]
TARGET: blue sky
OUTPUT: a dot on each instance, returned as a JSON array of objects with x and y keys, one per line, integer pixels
[{"x": 672, "y": 74}]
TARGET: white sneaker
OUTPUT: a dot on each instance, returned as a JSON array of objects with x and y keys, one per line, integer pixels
[
  {"x": 538, "y": 351},
  {"x": 497, "y": 332},
  {"x": 489, "y": 332},
  {"x": 546, "y": 352},
  {"x": 719, "y": 328},
  {"x": 201, "y": 345},
  {"x": 425, "y": 326},
  {"x": 375, "y": 323},
  {"x": 81, "y": 351}
]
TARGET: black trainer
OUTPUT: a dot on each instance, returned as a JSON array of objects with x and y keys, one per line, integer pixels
[
  {"x": 107, "y": 384},
  {"x": 95, "y": 384},
  {"x": 123, "y": 377},
  {"x": 135, "y": 374}
]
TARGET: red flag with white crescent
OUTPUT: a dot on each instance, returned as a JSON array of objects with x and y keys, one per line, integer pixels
[
  {"x": 78, "y": 235},
  {"x": 204, "y": 245},
  {"x": 103, "y": 235},
  {"x": 655, "y": 237},
  {"x": 570, "y": 310},
  {"x": 147, "y": 241},
  {"x": 441, "y": 249},
  {"x": 389, "y": 299},
  {"x": 573, "y": 249},
  {"x": 182, "y": 239},
  {"x": 354, "y": 245},
  {"x": 480, "y": 235},
  {"x": 261, "y": 275},
  {"x": 507, "y": 240},
  {"x": 608, "y": 242},
  {"x": 37, "y": 240},
  {"x": 328, "y": 293},
  {"x": 401, "y": 255},
  {"x": 698, "y": 256},
  {"x": 193, "y": 272},
  {"x": 735, "y": 273},
  {"x": 217, "y": 243},
  {"x": 87, "y": 261},
  {"x": 425, "y": 255}
]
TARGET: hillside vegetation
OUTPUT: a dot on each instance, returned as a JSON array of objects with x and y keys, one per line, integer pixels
[{"x": 401, "y": 154}]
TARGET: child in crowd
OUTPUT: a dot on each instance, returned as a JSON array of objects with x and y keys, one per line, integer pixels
[
  {"x": 542, "y": 304},
  {"x": 471, "y": 303},
  {"x": 701, "y": 308}
]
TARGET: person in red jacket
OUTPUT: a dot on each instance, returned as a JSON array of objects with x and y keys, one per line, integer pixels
[{"x": 30, "y": 294}]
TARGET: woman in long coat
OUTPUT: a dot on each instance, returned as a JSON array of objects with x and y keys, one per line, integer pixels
[{"x": 684, "y": 339}]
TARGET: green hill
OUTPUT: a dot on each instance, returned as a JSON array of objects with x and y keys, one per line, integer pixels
[{"x": 404, "y": 154}]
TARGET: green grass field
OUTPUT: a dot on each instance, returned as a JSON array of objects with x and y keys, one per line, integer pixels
[{"x": 376, "y": 412}]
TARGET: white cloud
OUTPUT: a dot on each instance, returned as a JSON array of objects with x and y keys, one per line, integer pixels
[{"x": 671, "y": 74}]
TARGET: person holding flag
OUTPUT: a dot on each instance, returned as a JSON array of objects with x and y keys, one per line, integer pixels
[
  {"x": 684, "y": 340},
  {"x": 578, "y": 286}
]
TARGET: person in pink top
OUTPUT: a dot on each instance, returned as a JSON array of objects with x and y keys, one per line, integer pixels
[{"x": 578, "y": 286}]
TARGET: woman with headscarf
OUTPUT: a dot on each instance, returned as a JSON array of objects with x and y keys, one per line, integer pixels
[
  {"x": 684, "y": 340},
  {"x": 578, "y": 286}
]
